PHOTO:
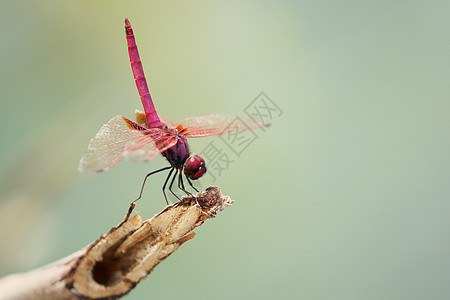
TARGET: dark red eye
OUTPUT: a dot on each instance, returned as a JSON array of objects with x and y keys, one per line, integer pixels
[{"x": 194, "y": 167}]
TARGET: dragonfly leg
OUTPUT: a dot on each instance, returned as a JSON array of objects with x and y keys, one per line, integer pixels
[
  {"x": 181, "y": 183},
  {"x": 165, "y": 183},
  {"x": 191, "y": 184},
  {"x": 171, "y": 184},
  {"x": 145, "y": 179},
  {"x": 133, "y": 204}
]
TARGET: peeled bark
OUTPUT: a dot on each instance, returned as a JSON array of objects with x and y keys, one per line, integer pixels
[{"x": 111, "y": 266}]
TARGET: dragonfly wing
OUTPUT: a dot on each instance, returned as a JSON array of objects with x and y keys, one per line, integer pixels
[
  {"x": 122, "y": 138},
  {"x": 168, "y": 123},
  {"x": 217, "y": 124}
]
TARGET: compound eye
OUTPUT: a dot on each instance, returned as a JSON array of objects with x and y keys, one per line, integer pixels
[{"x": 194, "y": 167}]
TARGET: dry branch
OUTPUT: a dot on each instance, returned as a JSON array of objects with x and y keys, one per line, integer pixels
[{"x": 112, "y": 265}]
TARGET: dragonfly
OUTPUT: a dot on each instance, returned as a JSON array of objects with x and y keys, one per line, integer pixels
[{"x": 121, "y": 138}]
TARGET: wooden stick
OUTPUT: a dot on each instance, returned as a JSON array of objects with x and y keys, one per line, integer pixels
[{"x": 113, "y": 265}]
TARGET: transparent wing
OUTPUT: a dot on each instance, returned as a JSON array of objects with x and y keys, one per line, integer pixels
[
  {"x": 167, "y": 123},
  {"x": 122, "y": 138},
  {"x": 217, "y": 124}
]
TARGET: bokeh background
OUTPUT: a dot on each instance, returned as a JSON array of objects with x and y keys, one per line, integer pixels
[{"x": 346, "y": 196}]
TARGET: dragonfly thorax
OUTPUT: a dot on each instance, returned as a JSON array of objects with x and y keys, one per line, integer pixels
[{"x": 179, "y": 153}]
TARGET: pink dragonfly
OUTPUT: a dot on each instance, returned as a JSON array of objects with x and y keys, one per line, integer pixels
[{"x": 151, "y": 135}]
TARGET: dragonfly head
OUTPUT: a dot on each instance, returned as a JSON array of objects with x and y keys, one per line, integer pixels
[{"x": 194, "y": 167}]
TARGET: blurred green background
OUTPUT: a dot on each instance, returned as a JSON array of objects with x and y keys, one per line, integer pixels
[{"x": 346, "y": 196}]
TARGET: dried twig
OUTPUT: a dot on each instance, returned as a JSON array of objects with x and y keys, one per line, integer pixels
[{"x": 113, "y": 264}]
